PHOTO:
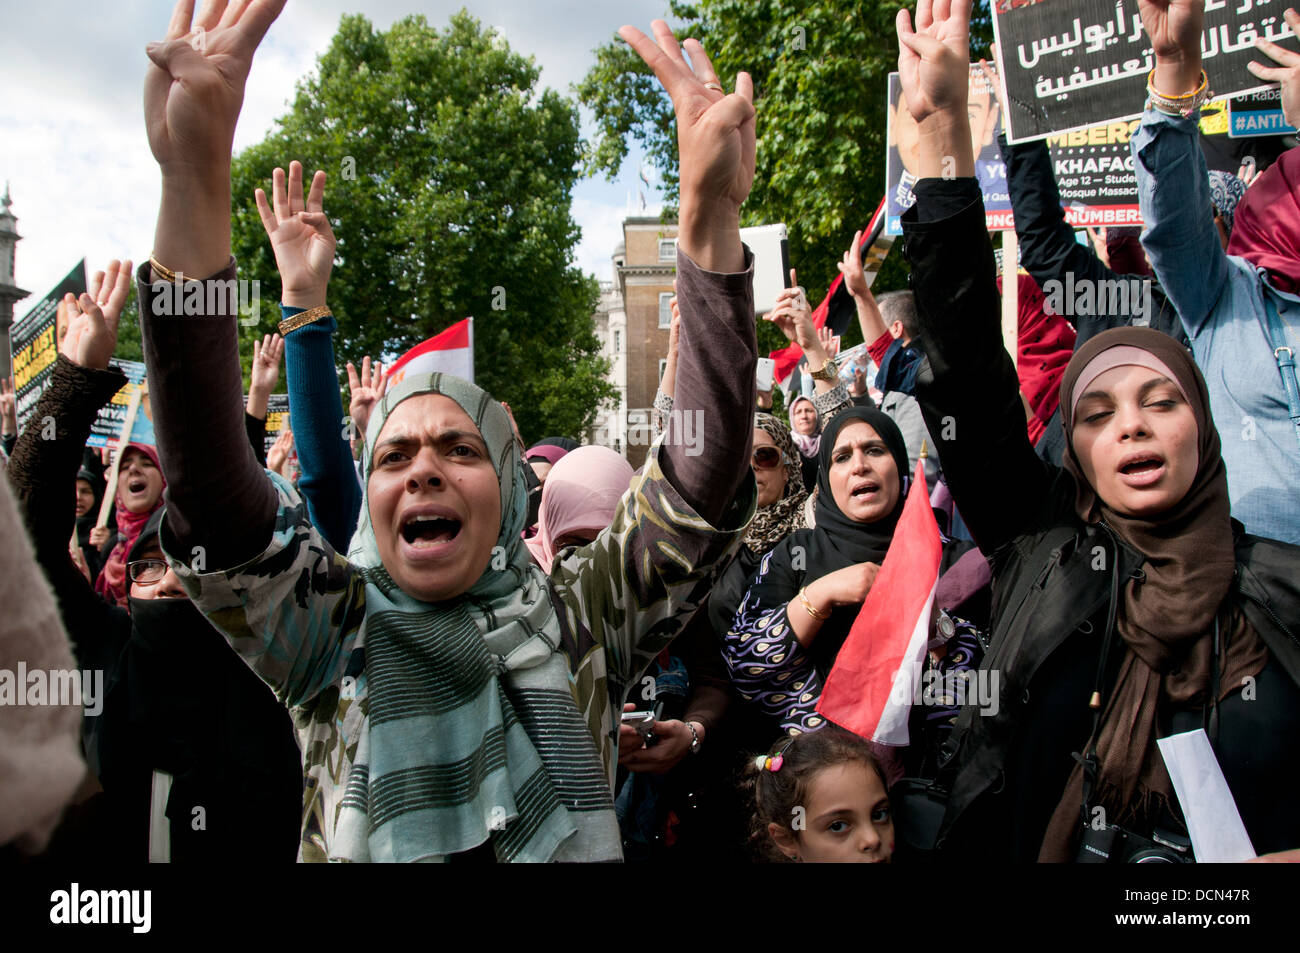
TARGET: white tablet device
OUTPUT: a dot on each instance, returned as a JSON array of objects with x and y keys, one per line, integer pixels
[{"x": 771, "y": 249}]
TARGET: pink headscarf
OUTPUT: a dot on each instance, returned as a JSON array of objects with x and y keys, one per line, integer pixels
[
  {"x": 581, "y": 493},
  {"x": 112, "y": 583}
]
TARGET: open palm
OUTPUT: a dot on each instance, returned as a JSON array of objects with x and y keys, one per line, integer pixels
[
  {"x": 933, "y": 60},
  {"x": 195, "y": 83},
  {"x": 301, "y": 235},
  {"x": 715, "y": 132}
]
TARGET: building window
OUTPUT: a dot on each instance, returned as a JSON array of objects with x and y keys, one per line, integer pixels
[
  {"x": 665, "y": 309},
  {"x": 667, "y": 249},
  {"x": 663, "y": 365},
  {"x": 618, "y": 343}
]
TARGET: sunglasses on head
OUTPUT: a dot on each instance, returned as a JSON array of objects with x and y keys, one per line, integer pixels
[{"x": 766, "y": 458}]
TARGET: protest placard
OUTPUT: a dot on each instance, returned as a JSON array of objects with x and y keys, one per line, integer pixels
[
  {"x": 1069, "y": 65},
  {"x": 106, "y": 431},
  {"x": 34, "y": 342},
  {"x": 1258, "y": 114},
  {"x": 1093, "y": 167},
  {"x": 277, "y": 418}
]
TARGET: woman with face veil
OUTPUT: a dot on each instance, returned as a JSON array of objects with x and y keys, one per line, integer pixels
[
  {"x": 459, "y": 703},
  {"x": 1127, "y": 604}
]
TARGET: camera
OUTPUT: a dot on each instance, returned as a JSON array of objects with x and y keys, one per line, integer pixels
[{"x": 1114, "y": 845}]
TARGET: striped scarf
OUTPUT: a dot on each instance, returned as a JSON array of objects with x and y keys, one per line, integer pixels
[{"x": 474, "y": 735}]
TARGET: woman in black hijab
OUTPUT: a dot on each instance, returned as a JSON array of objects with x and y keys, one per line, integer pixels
[
  {"x": 801, "y": 604},
  {"x": 90, "y": 491}
]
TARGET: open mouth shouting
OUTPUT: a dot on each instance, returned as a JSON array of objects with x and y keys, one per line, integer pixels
[
  {"x": 864, "y": 491},
  {"x": 429, "y": 531},
  {"x": 1142, "y": 469}
]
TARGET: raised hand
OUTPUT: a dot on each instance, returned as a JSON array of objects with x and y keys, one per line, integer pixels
[
  {"x": 366, "y": 390},
  {"x": 195, "y": 83},
  {"x": 92, "y": 333},
  {"x": 266, "y": 366},
  {"x": 1173, "y": 26},
  {"x": 793, "y": 316},
  {"x": 8, "y": 407},
  {"x": 934, "y": 59},
  {"x": 278, "y": 455},
  {"x": 830, "y": 341},
  {"x": 301, "y": 236},
  {"x": 855, "y": 279},
  {"x": 715, "y": 143},
  {"x": 1287, "y": 73}
]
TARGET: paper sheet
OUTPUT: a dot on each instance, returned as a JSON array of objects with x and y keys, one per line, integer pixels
[{"x": 1218, "y": 835}]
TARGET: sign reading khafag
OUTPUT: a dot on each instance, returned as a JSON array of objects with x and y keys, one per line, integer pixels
[
  {"x": 1067, "y": 64},
  {"x": 1093, "y": 166}
]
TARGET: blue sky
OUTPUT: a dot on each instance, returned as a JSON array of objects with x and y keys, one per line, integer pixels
[{"x": 72, "y": 141}]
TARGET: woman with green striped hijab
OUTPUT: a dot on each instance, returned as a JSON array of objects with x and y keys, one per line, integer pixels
[{"x": 452, "y": 700}]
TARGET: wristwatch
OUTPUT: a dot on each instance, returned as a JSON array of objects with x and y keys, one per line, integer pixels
[
  {"x": 945, "y": 629},
  {"x": 829, "y": 372},
  {"x": 695, "y": 738}
]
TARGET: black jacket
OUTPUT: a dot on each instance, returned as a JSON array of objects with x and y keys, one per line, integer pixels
[
  {"x": 177, "y": 697},
  {"x": 1055, "y": 578},
  {"x": 1048, "y": 250}
]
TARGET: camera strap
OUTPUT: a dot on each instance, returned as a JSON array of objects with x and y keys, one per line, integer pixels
[
  {"x": 1210, "y": 708},
  {"x": 1088, "y": 759}
]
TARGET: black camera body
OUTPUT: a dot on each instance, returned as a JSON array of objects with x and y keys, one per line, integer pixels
[{"x": 1115, "y": 845}]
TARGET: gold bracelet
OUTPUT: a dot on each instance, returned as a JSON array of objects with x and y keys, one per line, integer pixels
[
  {"x": 161, "y": 270},
  {"x": 310, "y": 316},
  {"x": 809, "y": 608}
]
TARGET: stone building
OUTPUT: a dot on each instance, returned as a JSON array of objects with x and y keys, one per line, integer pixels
[
  {"x": 632, "y": 322},
  {"x": 10, "y": 294}
]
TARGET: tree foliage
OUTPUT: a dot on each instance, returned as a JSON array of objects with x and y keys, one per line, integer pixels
[
  {"x": 450, "y": 180},
  {"x": 820, "y": 70}
]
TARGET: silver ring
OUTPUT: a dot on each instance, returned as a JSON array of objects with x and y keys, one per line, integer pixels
[{"x": 717, "y": 86}]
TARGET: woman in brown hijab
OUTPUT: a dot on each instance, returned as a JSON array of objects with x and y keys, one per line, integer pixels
[{"x": 1127, "y": 606}]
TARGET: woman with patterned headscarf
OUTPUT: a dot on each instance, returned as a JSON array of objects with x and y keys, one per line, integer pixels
[{"x": 457, "y": 701}]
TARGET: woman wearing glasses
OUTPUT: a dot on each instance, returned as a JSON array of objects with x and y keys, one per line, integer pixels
[
  {"x": 797, "y": 612},
  {"x": 185, "y": 725}
]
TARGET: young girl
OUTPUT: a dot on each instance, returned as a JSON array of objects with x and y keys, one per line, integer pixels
[{"x": 820, "y": 797}]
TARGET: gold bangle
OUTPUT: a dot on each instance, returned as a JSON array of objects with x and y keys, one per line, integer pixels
[
  {"x": 810, "y": 608},
  {"x": 161, "y": 270},
  {"x": 310, "y": 316}
]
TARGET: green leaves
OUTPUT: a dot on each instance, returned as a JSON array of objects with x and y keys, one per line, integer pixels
[{"x": 450, "y": 176}]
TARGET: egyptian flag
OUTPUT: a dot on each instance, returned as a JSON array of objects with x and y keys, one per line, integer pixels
[
  {"x": 450, "y": 352},
  {"x": 837, "y": 308},
  {"x": 873, "y": 682}
]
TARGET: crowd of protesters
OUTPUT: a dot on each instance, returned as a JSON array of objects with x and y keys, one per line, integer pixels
[{"x": 440, "y": 640}]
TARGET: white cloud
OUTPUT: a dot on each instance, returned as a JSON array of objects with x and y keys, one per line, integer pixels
[{"x": 74, "y": 149}]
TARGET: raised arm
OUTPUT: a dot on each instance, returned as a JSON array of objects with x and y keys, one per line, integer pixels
[
  {"x": 717, "y": 351},
  {"x": 1180, "y": 238},
  {"x": 218, "y": 497},
  {"x": 969, "y": 394},
  {"x": 43, "y": 471},
  {"x": 303, "y": 241},
  {"x": 261, "y": 384}
]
